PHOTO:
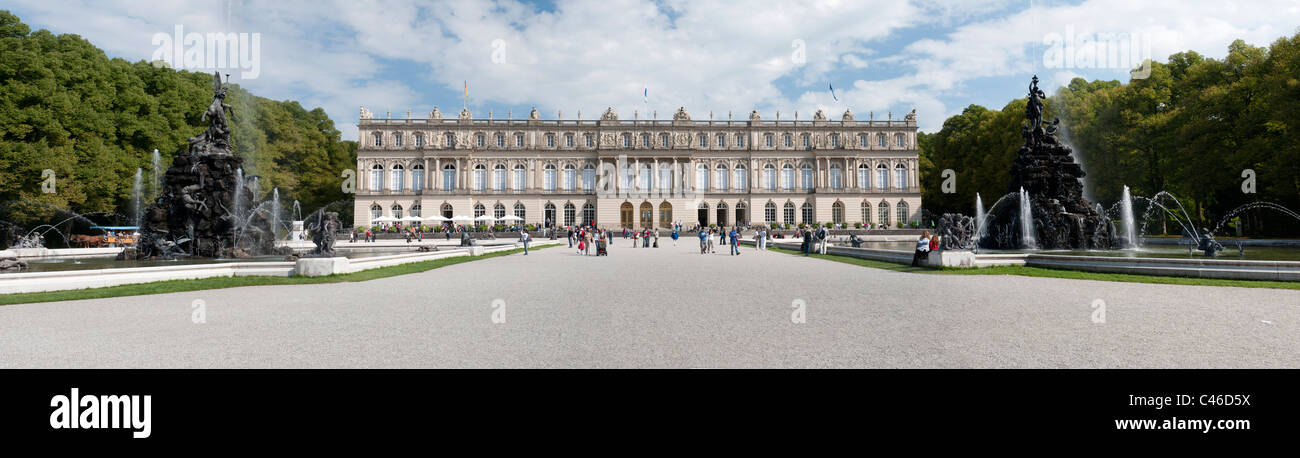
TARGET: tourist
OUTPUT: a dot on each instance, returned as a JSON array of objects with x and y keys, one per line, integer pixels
[
  {"x": 674, "y": 235},
  {"x": 570, "y": 237},
  {"x": 590, "y": 238},
  {"x": 935, "y": 242},
  {"x": 645, "y": 239},
  {"x": 656, "y": 244},
  {"x": 807, "y": 244},
  {"x": 711, "y": 247},
  {"x": 525, "y": 238},
  {"x": 734, "y": 235},
  {"x": 704, "y": 248},
  {"x": 822, "y": 236},
  {"x": 922, "y": 247}
]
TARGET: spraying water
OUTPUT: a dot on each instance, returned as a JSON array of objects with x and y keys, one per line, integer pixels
[
  {"x": 157, "y": 173},
  {"x": 979, "y": 217},
  {"x": 239, "y": 192},
  {"x": 1130, "y": 224},
  {"x": 137, "y": 191},
  {"x": 275, "y": 210},
  {"x": 1026, "y": 222}
]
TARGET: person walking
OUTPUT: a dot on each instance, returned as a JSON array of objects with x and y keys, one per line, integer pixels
[
  {"x": 711, "y": 248},
  {"x": 704, "y": 247},
  {"x": 570, "y": 237},
  {"x": 674, "y": 235},
  {"x": 734, "y": 235},
  {"x": 525, "y": 238},
  {"x": 645, "y": 239}
]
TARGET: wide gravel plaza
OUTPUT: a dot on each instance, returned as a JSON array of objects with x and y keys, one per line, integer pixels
[{"x": 667, "y": 307}]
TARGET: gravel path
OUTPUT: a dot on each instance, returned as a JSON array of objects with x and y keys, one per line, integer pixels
[{"x": 667, "y": 307}]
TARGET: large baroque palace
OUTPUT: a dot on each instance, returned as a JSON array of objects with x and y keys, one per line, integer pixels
[{"x": 640, "y": 173}]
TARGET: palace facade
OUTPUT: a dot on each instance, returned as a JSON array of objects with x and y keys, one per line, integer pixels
[{"x": 639, "y": 173}]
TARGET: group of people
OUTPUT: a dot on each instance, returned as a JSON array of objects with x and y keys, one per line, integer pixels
[
  {"x": 814, "y": 240},
  {"x": 590, "y": 239},
  {"x": 924, "y": 246},
  {"x": 725, "y": 237}
]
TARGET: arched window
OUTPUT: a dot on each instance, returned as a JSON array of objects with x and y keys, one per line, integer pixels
[
  {"x": 588, "y": 214},
  {"x": 806, "y": 175},
  {"x": 498, "y": 212},
  {"x": 417, "y": 176},
  {"x": 479, "y": 210},
  {"x": 569, "y": 214},
  {"x": 866, "y": 213},
  {"x": 722, "y": 214},
  {"x": 376, "y": 211},
  {"x": 787, "y": 214},
  {"x": 787, "y": 177},
  {"x": 521, "y": 177},
  {"x": 396, "y": 182},
  {"x": 720, "y": 180},
  {"x": 742, "y": 179},
  {"x": 883, "y": 213},
  {"x": 837, "y": 213},
  {"x": 448, "y": 177},
  {"x": 549, "y": 214},
  {"x": 446, "y": 211},
  {"x": 499, "y": 177},
  {"x": 665, "y": 214},
  {"x": 647, "y": 175},
  {"x": 647, "y": 214},
  {"x": 520, "y": 212},
  {"x": 903, "y": 213},
  {"x": 769, "y": 177},
  {"x": 480, "y": 177},
  {"x": 900, "y": 140},
  {"x": 588, "y": 178},
  {"x": 837, "y": 177},
  {"x": 397, "y": 211},
  {"x": 882, "y": 177},
  {"x": 379, "y": 139},
  {"x": 417, "y": 210},
  {"x": 807, "y": 216},
  {"x": 900, "y": 176},
  {"x": 548, "y": 177},
  {"x": 397, "y": 139},
  {"x": 665, "y": 177},
  {"x": 864, "y": 176},
  {"x": 701, "y": 177},
  {"x": 570, "y": 177},
  {"x": 376, "y": 177},
  {"x": 769, "y": 212}
]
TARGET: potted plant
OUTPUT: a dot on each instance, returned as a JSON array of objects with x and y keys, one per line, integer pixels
[{"x": 857, "y": 225}]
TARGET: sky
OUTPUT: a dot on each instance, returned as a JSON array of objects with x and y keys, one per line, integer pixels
[{"x": 646, "y": 58}]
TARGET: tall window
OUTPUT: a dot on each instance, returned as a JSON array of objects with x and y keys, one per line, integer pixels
[
  {"x": 588, "y": 214},
  {"x": 448, "y": 177},
  {"x": 569, "y": 177},
  {"x": 769, "y": 212},
  {"x": 498, "y": 212},
  {"x": 862, "y": 140},
  {"x": 568, "y": 140},
  {"x": 720, "y": 181},
  {"x": 588, "y": 178},
  {"x": 769, "y": 177},
  {"x": 864, "y": 177},
  {"x": 521, "y": 177},
  {"x": 806, "y": 214},
  {"x": 701, "y": 177},
  {"x": 519, "y": 140},
  {"x": 479, "y": 210},
  {"x": 376, "y": 211},
  {"x": 550, "y": 141},
  {"x": 900, "y": 176},
  {"x": 835, "y": 140},
  {"x": 548, "y": 177},
  {"x": 548, "y": 214},
  {"x": 480, "y": 140},
  {"x": 397, "y": 139},
  {"x": 665, "y": 177},
  {"x": 806, "y": 176},
  {"x": 722, "y": 141},
  {"x": 740, "y": 140},
  {"x": 417, "y": 177},
  {"x": 663, "y": 141},
  {"x": 880, "y": 140},
  {"x": 397, "y": 173},
  {"x": 419, "y": 140},
  {"x": 627, "y": 140},
  {"x": 450, "y": 141},
  {"x": 900, "y": 140},
  {"x": 787, "y": 215},
  {"x": 499, "y": 177},
  {"x": 379, "y": 139},
  {"x": 789, "y": 141},
  {"x": 591, "y": 140},
  {"x": 883, "y": 214},
  {"x": 417, "y": 210},
  {"x": 645, "y": 140},
  {"x": 501, "y": 141},
  {"x": 903, "y": 213},
  {"x": 866, "y": 212},
  {"x": 882, "y": 177},
  {"x": 704, "y": 141},
  {"x": 742, "y": 179},
  {"x": 837, "y": 213},
  {"x": 767, "y": 140},
  {"x": 646, "y": 176},
  {"x": 787, "y": 177},
  {"x": 569, "y": 211},
  {"x": 480, "y": 177},
  {"x": 376, "y": 177},
  {"x": 397, "y": 211},
  {"x": 837, "y": 177},
  {"x": 806, "y": 141},
  {"x": 520, "y": 212}
]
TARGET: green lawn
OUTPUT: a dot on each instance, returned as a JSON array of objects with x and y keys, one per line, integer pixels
[
  {"x": 1053, "y": 273},
  {"x": 173, "y": 286}
]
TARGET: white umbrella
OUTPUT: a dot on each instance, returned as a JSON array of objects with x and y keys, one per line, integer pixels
[
  {"x": 383, "y": 219},
  {"x": 436, "y": 218},
  {"x": 461, "y": 218},
  {"x": 512, "y": 218},
  {"x": 485, "y": 218}
]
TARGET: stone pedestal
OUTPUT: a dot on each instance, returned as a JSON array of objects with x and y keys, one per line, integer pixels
[
  {"x": 476, "y": 250},
  {"x": 951, "y": 258},
  {"x": 319, "y": 267}
]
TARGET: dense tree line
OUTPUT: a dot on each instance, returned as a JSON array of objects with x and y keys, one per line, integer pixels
[
  {"x": 1192, "y": 128},
  {"x": 65, "y": 106}
]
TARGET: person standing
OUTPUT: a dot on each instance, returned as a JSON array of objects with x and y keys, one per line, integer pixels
[
  {"x": 734, "y": 235},
  {"x": 570, "y": 237},
  {"x": 645, "y": 239},
  {"x": 524, "y": 237},
  {"x": 822, "y": 236},
  {"x": 704, "y": 247},
  {"x": 711, "y": 247},
  {"x": 807, "y": 245},
  {"x": 674, "y": 235}
]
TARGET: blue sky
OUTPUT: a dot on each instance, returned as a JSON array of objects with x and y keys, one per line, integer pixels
[{"x": 934, "y": 56}]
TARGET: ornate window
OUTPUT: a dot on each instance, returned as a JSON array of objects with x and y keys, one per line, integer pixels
[
  {"x": 900, "y": 140},
  {"x": 519, "y": 140},
  {"x": 376, "y": 177},
  {"x": 740, "y": 140},
  {"x": 769, "y": 212},
  {"x": 769, "y": 177},
  {"x": 862, "y": 141},
  {"x": 701, "y": 177},
  {"x": 806, "y": 141},
  {"x": 499, "y": 177},
  {"x": 417, "y": 177},
  {"x": 376, "y": 211},
  {"x": 548, "y": 177},
  {"x": 837, "y": 177},
  {"x": 883, "y": 213},
  {"x": 767, "y": 140},
  {"x": 498, "y": 212},
  {"x": 479, "y": 210},
  {"x": 451, "y": 141},
  {"x": 480, "y": 177},
  {"x": 568, "y": 140},
  {"x": 704, "y": 141},
  {"x": 627, "y": 140},
  {"x": 417, "y": 210},
  {"x": 787, "y": 214},
  {"x": 448, "y": 177},
  {"x": 900, "y": 176},
  {"x": 663, "y": 141},
  {"x": 722, "y": 141},
  {"x": 742, "y": 179},
  {"x": 647, "y": 175},
  {"x": 569, "y": 211},
  {"x": 397, "y": 174},
  {"x": 591, "y": 140},
  {"x": 864, "y": 177},
  {"x": 806, "y": 215},
  {"x": 866, "y": 213},
  {"x": 720, "y": 180},
  {"x": 397, "y": 139},
  {"x": 480, "y": 140},
  {"x": 880, "y": 141},
  {"x": 806, "y": 176},
  {"x": 588, "y": 214},
  {"x": 903, "y": 213},
  {"x": 787, "y": 177},
  {"x": 882, "y": 177},
  {"x": 569, "y": 177},
  {"x": 548, "y": 211},
  {"x": 550, "y": 140},
  {"x": 379, "y": 139},
  {"x": 835, "y": 140},
  {"x": 521, "y": 177},
  {"x": 397, "y": 211},
  {"x": 789, "y": 141},
  {"x": 645, "y": 140},
  {"x": 419, "y": 140},
  {"x": 520, "y": 212},
  {"x": 501, "y": 141},
  {"x": 837, "y": 213},
  {"x": 665, "y": 181},
  {"x": 588, "y": 178}
]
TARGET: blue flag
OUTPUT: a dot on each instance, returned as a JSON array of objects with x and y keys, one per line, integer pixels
[{"x": 832, "y": 88}]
